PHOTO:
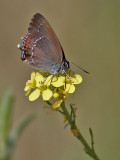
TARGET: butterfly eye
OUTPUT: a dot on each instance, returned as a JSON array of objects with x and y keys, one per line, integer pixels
[{"x": 66, "y": 64}]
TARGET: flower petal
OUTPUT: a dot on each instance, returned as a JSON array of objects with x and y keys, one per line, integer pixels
[
  {"x": 28, "y": 82},
  {"x": 70, "y": 88},
  {"x": 48, "y": 80},
  {"x": 26, "y": 88},
  {"x": 28, "y": 91},
  {"x": 47, "y": 94},
  {"x": 34, "y": 95},
  {"x": 57, "y": 104},
  {"x": 76, "y": 79},
  {"x": 32, "y": 76},
  {"x": 39, "y": 79},
  {"x": 60, "y": 81}
]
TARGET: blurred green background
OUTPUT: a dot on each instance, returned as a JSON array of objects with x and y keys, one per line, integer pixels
[{"x": 89, "y": 32}]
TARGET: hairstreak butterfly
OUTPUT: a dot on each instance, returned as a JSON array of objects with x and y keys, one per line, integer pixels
[{"x": 41, "y": 48}]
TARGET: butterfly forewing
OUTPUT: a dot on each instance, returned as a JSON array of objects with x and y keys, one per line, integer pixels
[{"x": 41, "y": 44}]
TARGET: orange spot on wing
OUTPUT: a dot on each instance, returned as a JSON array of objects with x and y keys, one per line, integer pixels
[
  {"x": 26, "y": 59},
  {"x": 28, "y": 41},
  {"x": 26, "y": 47},
  {"x": 32, "y": 36}
]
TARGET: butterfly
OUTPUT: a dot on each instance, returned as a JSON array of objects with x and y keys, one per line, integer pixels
[{"x": 41, "y": 48}]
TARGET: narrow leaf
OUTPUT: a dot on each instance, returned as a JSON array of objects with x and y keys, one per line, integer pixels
[
  {"x": 92, "y": 140},
  {"x": 5, "y": 113},
  {"x": 16, "y": 132}
]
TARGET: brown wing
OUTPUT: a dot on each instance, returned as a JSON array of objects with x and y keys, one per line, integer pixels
[{"x": 42, "y": 46}]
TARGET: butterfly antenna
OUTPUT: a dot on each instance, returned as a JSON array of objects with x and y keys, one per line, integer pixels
[{"x": 81, "y": 68}]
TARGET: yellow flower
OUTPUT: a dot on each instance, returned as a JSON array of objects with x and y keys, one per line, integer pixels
[
  {"x": 57, "y": 104},
  {"x": 75, "y": 79},
  {"x": 30, "y": 84},
  {"x": 59, "y": 87},
  {"x": 69, "y": 87},
  {"x": 42, "y": 88}
]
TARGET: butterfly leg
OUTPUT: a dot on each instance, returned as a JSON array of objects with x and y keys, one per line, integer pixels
[
  {"x": 45, "y": 78},
  {"x": 65, "y": 73},
  {"x": 52, "y": 79}
]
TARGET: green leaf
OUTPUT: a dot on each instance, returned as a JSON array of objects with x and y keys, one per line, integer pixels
[
  {"x": 92, "y": 140},
  {"x": 5, "y": 115},
  {"x": 16, "y": 132}
]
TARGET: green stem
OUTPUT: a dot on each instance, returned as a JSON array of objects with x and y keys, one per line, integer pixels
[{"x": 79, "y": 136}]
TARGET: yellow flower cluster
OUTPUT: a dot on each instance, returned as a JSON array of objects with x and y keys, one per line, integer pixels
[{"x": 47, "y": 86}]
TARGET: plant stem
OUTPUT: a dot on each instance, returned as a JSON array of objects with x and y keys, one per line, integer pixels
[{"x": 78, "y": 134}]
